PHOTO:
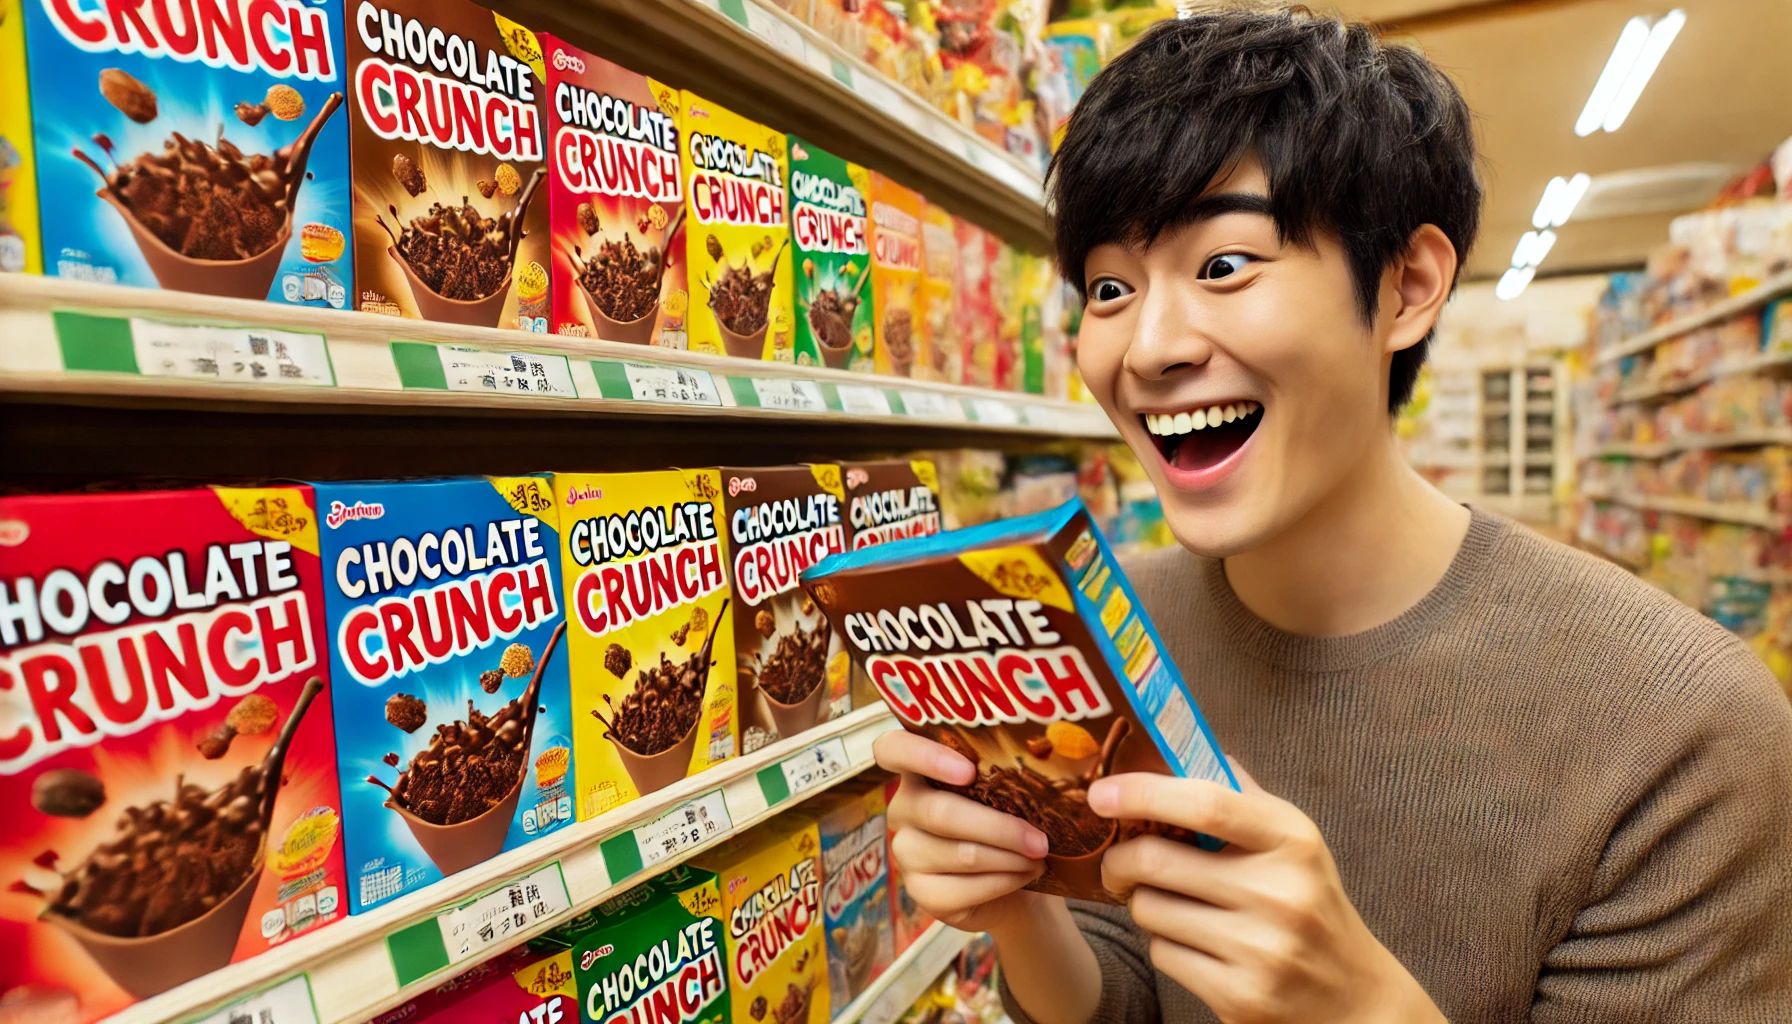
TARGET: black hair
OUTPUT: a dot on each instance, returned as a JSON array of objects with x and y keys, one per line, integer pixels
[{"x": 1365, "y": 140}]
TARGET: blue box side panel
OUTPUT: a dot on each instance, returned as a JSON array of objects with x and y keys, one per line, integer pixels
[{"x": 384, "y": 859}]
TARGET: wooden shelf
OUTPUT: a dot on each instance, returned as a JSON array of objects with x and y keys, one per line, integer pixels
[
  {"x": 1760, "y": 295},
  {"x": 1768, "y": 361},
  {"x": 761, "y": 62},
  {"x": 891, "y": 993},
  {"x": 1696, "y": 442},
  {"x": 350, "y": 969},
  {"x": 1740, "y": 513},
  {"x": 87, "y": 343}
]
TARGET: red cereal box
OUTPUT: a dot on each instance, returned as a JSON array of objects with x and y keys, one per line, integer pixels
[
  {"x": 167, "y": 762},
  {"x": 616, "y": 199}
]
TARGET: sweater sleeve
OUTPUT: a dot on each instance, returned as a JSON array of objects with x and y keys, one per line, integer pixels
[
  {"x": 1128, "y": 981},
  {"x": 1685, "y": 915}
]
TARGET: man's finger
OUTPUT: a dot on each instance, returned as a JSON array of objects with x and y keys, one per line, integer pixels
[
  {"x": 903, "y": 752},
  {"x": 1255, "y": 821},
  {"x": 1206, "y": 978},
  {"x": 1174, "y": 867},
  {"x": 951, "y": 816},
  {"x": 918, "y": 851},
  {"x": 1245, "y": 782},
  {"x": 1191, "y": 923},
  {"x": 953, "y": 894}
]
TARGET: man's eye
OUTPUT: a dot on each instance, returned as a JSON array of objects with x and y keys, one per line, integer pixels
[
  {"x": 1107, "y": 290},
  {"x": 1225, "y": 265}
]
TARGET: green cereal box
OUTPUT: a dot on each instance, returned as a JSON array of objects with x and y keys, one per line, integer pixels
[
  {"x": 653, "y": 955},
  {"x": 833, "y": 258}
]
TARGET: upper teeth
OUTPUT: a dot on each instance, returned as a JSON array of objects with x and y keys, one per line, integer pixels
[{"x": 1200, "y": 419}]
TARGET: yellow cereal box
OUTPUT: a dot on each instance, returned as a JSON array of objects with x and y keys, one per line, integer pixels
[
  {"x": 737, "y": 234},
  {"x": 937, "y": 352},
  {"x": 20, "y": 247},
  {"x": 895, "y": 271},
  {"x": 651, "y": 643},
  {"x": 771, "y": 901}
]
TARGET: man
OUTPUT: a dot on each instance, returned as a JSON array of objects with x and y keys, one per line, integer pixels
[{"x": 1500, "y": 780}]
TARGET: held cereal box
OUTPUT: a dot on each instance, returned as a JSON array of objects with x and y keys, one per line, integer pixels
[
  {"x": 21, "y": 250},
  {"x": 833, "y": 258},
  {"x": 737, "y": 235},
  {"x": 937, "y": 355},
  {"x": 771, "y": 901},
  {"x": 1021, "y": 645},
  {"x": 653, "y": 955},
  {"x": 449, "y": 154},
  {"x": 167, "y": 769},
  {"x": 616, "y": 201},
  {"x": 531, "y": 984},
  {"x": 452, "y": 710},
  {"x": 651, "y": 639},
  {"x": 895, "y": 271},
  {"x": 977, "y": 321},
  {"x": 907, "y": 919},
  {"x": 195, "y": 147},
  {"x": 792, "y": 669},
  {"x": 855, "y": 898}
]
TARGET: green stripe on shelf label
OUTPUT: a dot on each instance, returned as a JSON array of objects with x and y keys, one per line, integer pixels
[
  {"x": 417, "y": 951},
  {"x": 97, "y": 343},
  {"x": 418, "y": 365}
]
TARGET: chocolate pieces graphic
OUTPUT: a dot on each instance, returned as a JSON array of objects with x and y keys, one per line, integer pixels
[{"x": 655, "y": 727}]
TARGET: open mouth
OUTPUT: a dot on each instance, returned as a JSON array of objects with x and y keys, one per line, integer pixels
[{"x": 1203, "y": 437}]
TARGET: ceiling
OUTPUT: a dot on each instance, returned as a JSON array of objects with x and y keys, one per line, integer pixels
[{"x": 1526, "y": 68}]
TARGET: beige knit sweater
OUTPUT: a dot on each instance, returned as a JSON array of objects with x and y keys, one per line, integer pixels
[{"x": 1553, "y": 792}]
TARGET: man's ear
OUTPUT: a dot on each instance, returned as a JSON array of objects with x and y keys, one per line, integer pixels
[{"x": 1417, "y": 286}]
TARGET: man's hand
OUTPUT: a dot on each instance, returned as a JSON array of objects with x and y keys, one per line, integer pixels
[
  {"x": 962, "y": 862},
  {"x": 1262, "y": 930}
]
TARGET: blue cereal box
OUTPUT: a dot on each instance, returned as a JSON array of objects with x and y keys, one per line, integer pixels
[
  {"x": 855, "y": 888},
  {"x": 1021, "y": 645},
  {"x": 453, "y": 733},
  {"x": 195, "y": 145}
]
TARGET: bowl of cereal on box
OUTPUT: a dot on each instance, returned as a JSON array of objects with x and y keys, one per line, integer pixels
[
  {"x": 458, "y": 262},
  {"x": 654, "y": 728}
]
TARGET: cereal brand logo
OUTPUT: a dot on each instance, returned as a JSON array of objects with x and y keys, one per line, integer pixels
[
  {"x": 701, "y": 487},
  {"x": 738, "y": 484},
  {"x": 13, "y": 532},
  {"x": 594, "y": 955},
  {"x": 669, "y": 983},
  {"x": 608, "y": 145},
  {"x": 775, "y": 918},
  {"x": 731, "y": 184},
  {"x": 564, "y": 61},
  {"x": 897, "y": 245},
  {"x": 340, "y": 513},
  {"x": 582, "y": 492},
  {"x": 644, "y": 562},
  {"x": 860, "y": 874},
  {"x": 283, "y": 39},
  {"x": 883, "y": 516},
  {"x": 775, "y": 541},
  {"x": 856, "y": 478},
  {"x": 551, "y": 978}
]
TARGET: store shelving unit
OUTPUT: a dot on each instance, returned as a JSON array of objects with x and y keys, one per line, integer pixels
[
  {"x": 1760, "y": 295},
  {"x": 1740, "y": 513},
  {"x": 1520, "y": 406},
  {"x": 891, "y": 993},
  {"x": 1768, "y": 362},
  {"x": 355, "y": 968}
]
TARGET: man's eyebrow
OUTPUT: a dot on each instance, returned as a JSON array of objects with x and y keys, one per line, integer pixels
[{"x": 1219, "y": 204}]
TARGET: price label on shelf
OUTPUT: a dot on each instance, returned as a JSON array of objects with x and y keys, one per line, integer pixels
[
  {"x": 931, "y": 405},
  {"x": 822, "y": 763},
  {"x": 1043, "y": 416},
  {"x": 505, "y": 373},
  {"x": 788, "y": 394},
  {"x": 681, "y": 828},
  {"x": 496, "y": 917},
  {"x": 289, "y": 1002},
  {"x": 653, "y": 382},
  {"x": 995, "y": 412},
  {"x": 228, "y": 355},
  {"x": 862, "y": 400}
]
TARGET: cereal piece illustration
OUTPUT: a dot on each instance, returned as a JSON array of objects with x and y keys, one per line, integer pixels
[
  {"x": 321, "y": 243},
  {"x": 1040, "y": 747},
  {"x": 487, "y": 188},
  {"x": 1071, "y": 740},
  {"x": 285, "y": 102},
  {"x": 490, "y": 680},
  {"x": 254, "y": 715},
  {"x": 408, "y": 174},
  {"x": 618, "y": 660},
  {"x": 67, "y": 793},
  {"x": 656, "y": 216},
  {"x": 679, "y": 634},
  {"x": 517, "y": 661},
  {"x": 251, "y": 114},
  {"x": 678, "y": 302},
  {"x": 216, "y": 744},
  {"x": 406, "y": 711},
  {"x": 713, "y": 246},
  {"x": 132, "y": 98},
  {"x": 699, "y": 620},
  {"x": 757, "y": 1010},
  {"x": 765, "y": 623},
  {"x": 588, "y": 221},
  {"x": 391, "y": 760},
  {"x": 509, "y": 181}
]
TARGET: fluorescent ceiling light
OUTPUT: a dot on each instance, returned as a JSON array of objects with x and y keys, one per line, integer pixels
[
  {"x": 1661, "y": 36},
  {"x": 1570, "y": 198},
  {"x": 1513, "y": 283},
  {"x": 1532, "y": 248},
  {"x": 1546, "y": 207},
  {"x": 1633, "y": 60}
]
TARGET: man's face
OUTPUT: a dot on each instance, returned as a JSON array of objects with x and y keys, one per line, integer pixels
[{"x": 1220, "y": 323}]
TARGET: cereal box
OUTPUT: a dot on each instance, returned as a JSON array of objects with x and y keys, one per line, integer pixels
[
  {"x": 855, "y": 898},
  {"x": 937, "y": 355},
  {"x": 907, "y": 919},
  {"x": 737, "y": 234},
  {"x": 792, "y": 669},
  {"x": 888, "y": 501},
  {"x": 453, "y": 723},
  {"x": 1021, "y": 645},
  {"x": 532, "y": 984},
  {"x": 167, "y": 769},
  {"x": 652, "y": 642},
  {"x": 833, "y": 256},
  {"x": 616, "y": 201},
  {"x": 976, "y": 320},
  {"x": 450, "y": 140},
  {"x": 771, "y": 900},
  {"x": 20, "y": 245},
  {"x": 193, "y": 147},
  {"x": 895, "y": 271},
  {"x": 653, "y": 955}
]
